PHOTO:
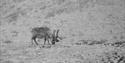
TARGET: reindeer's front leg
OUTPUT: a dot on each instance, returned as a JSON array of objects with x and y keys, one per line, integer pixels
[
  {"x": 53, "y": 42},
  {"x": 48, "y": 41},
  {"x": 45, "y": 40}
]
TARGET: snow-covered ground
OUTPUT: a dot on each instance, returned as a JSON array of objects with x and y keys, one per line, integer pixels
[{"x": 92, "y": 31}]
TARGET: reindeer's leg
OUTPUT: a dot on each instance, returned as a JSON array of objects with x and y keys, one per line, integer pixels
[
  {"x": 34, "y": 40},
  {"x": 44, "y": 40},
  {"x": 53, "y": 40},
  {"x": 48, "y": 41}
]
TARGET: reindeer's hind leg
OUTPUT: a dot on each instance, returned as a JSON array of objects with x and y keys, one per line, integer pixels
[{"x": 34, "y": 40}]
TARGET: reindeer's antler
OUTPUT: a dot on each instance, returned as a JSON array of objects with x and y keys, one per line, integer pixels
[
  {"x": 57, "y": 33},
  {"x": 56, "y": 36}
]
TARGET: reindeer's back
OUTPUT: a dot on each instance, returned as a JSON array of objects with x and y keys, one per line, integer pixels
[{"x": 40, "y": 31}]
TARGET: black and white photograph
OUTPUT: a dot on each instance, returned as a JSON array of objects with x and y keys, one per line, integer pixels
[{"x": 62, "y": 31}]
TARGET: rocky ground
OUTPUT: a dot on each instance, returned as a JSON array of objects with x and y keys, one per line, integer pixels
[{"x": 92, "y": 31}]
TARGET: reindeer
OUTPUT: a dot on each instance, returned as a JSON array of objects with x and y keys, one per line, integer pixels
[{"x": 44, "y": 33}]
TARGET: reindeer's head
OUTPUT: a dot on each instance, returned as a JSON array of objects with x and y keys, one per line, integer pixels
[{"x": 55, "y": 36}]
